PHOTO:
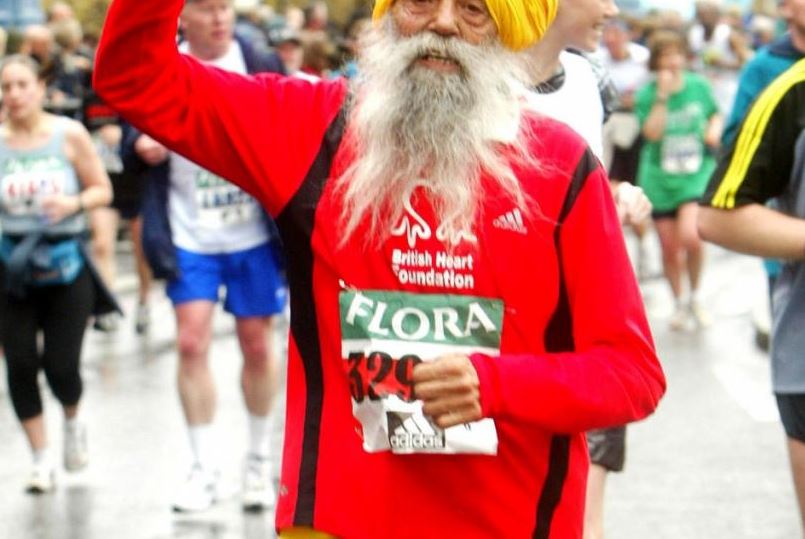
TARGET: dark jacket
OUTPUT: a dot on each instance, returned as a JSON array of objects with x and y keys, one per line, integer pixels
[{"x": 156, "y": 231}]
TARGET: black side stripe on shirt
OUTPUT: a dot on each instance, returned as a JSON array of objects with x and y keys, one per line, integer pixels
[
  {"x": 295, "y": 224},
  {"x": 559, "y": 338}
]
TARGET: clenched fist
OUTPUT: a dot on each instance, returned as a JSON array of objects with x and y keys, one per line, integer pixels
[{"x": 449, "y": 389}]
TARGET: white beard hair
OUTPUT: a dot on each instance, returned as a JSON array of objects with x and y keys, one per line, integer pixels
[{"x": 416, "y": 127}]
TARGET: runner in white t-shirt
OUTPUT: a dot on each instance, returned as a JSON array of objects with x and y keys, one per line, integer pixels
[
  {"x": 222, "y": 240},
  {"x": 565, "y": 87}
]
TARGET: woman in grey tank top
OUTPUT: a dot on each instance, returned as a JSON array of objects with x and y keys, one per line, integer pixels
[{"x": 49, "y": 174}]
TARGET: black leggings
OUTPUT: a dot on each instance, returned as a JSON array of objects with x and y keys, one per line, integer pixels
[{"x": 61, "y": 312}]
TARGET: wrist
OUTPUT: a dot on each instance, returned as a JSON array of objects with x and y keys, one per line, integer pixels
[{"x": 81, "y": 208}]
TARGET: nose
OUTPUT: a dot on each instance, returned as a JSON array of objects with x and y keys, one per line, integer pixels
[
  {"x": 611, "y": 9},
  {"x": 219, "y": 16},
  {"x": 445, "y": 20}
]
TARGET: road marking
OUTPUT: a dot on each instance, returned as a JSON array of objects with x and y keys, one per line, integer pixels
[{"x": 750, "y": 387}]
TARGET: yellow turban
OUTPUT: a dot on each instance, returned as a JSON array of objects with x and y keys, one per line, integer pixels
[{"x": 521, "y": 23}]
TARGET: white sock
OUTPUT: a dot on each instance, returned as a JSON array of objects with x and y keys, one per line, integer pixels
[
  {"x": 41, "y": 456},
  {"x": 202, "y": 443},
  {"x": 259, "y": 435},
  {"x": 71, "y": 423}
]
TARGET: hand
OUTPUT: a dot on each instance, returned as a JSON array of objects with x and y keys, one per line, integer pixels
[
  {"x": 449, "y": 389},
  {"x": 666, "y": 80},
  {"x": 110, "y": 135},
  {"x": 57, "y": 207},
  {"x": 712, "y": 138},
  {"x": 150, "y": 151},
  {"x": 632, "y": 204}
]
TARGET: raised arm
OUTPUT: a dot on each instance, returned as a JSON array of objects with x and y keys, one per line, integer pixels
[
  {"x": 261, "y": 132},
  {"x": 606, "y": 372}
]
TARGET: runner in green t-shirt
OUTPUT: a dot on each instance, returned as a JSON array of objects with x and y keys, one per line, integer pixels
[{"x": 681, "y": 124}]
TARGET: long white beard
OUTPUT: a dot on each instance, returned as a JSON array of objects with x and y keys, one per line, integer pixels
[{"x": 415, "y": 126}]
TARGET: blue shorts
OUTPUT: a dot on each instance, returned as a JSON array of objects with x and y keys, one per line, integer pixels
[{"x": 254, "y": 285}]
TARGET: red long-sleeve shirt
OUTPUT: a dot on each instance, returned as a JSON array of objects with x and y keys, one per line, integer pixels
[{"x": 563, "y": 344}]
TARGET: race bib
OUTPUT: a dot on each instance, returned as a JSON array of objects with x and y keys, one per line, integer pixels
[
  {"x": 23, "y": 190},
  {"x": 221, "y": 203},
  {"x": 385, "y": 334},
  {"x": 682, "y": 154}
]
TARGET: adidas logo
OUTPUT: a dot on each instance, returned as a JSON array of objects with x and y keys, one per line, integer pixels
[
  {"x": 413, "y": 432},
  {"x": 511, "y": 220}
]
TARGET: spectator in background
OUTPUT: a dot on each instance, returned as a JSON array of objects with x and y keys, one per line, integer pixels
[
  {"x": 288, "y": 46},
  {"x": 317, "y": 20},
  {"x": 249, "y": 24},
  {"x": 768, "y": 64},
  {"x": 3, "y": 41},
  {"x": 719, "y": 51},
  {"x": 763, "y": 31},
  {"x": 318, "y": 56},
  {"x": 60, "y": 11},
  {"x": 627, "y": 64},
  {"x": 71, "y": 78},
  {"x": 350, "y": 47},
  {"x": 294, "y": 18},
  {"x": 38, "y": 43}
]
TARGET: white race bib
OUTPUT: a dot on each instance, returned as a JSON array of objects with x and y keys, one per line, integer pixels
[
  {"x": 384, "y": 335},
  {"x": 682, "y": 154},
  {"x": 220, "y": 203},
  {"x": 24, "y": 188}
]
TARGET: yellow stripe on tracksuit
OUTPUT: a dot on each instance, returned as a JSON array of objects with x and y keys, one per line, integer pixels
[
  {"x": 304, "y": 533},
  {"x": 751, "y": 134}
]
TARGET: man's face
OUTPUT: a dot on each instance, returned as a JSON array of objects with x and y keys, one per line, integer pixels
[
  {"x": 615, "y": 39},
  {"x": 468, "y": 20},
  {"x": 208, "y": 26},
  {"x": 291, "y": 54},
  {"x": 793, "y": 11},
  {"x": 707, "y": 13},
  {"x": 582, "y": 22}
]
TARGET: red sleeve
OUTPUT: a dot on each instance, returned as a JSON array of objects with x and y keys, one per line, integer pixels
[
  {"x": 262, "y": 133},
  {"x": 613, "y": 377}
]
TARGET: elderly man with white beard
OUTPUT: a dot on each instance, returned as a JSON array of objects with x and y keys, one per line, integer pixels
[{"x": 461, "y": 304}]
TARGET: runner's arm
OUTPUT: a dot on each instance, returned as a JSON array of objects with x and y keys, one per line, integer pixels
[
  {"x": 260, "y": 132},
  {"x": 756, "y": 168},
  {"x": 613, "y": 375},
  {"x": 754, "y": 229}
]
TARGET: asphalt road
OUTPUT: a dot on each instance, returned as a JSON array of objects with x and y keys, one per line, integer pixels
[{"x": 710, "y": 463}]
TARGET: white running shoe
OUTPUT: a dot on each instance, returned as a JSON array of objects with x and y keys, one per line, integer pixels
[
  {"x": 42, "y": 478},
  {"x": 76, "y": 454},
  {"x": 142, "y": 319},
  {"x": 679, "y": 320},
  {"x": 198, "y": 493},
  {"x": 258, "y": 488},
  {"x": 106, "y": 323},
  {"x": 700, "y": 315}
]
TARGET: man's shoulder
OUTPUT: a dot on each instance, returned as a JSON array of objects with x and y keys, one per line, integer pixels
[{"x": 790, "y": 84}]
